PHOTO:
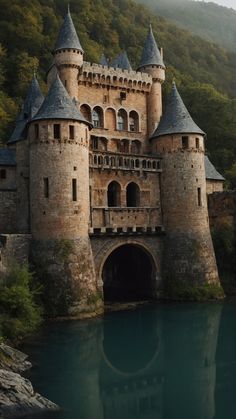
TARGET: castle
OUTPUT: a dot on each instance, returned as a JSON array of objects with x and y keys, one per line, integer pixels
[{"x": 106, "y": 196}]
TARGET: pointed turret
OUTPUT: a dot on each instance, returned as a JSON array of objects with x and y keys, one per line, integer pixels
[
  {"x": 33, "y": 101},
  {"x": 68, "y": 38},
  {"x": 59, "y": 105},
  {"x": 176, "y": 119},
  {"x": 121, "y": 61},
  {"x": 151, "y": 54}
]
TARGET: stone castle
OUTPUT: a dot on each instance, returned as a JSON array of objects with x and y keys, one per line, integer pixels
[{"x": 104, "y": 195}]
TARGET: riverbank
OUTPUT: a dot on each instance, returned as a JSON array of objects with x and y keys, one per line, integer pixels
[{"x": 17, "y": 395}]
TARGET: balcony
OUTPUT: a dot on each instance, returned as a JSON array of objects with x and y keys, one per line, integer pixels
[{"x": 117, "y": 161}]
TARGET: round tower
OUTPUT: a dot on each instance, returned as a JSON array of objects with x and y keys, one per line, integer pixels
[
  {"x": 68, "y": 56},
  {"x": 152, "y": 63},
  {"x": 59, "y": 196},
  {"x": 189, "y": 258}
]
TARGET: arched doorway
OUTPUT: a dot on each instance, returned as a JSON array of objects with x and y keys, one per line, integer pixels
[
  {"x": 128, "y": 274},
  {"x": 113, "y": 194},
  {"x": 132, "y": 195}
]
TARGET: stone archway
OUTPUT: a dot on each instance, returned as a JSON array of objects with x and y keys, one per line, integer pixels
[{"x": 128, "y": 274}]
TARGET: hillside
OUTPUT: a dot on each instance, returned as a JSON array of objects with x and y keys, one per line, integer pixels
[
  {"x": 204, "y": 72},
  {"x": 212, "y": 22}
]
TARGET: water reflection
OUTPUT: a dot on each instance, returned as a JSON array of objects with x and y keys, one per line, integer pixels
[{"x": 152, "y": 363}]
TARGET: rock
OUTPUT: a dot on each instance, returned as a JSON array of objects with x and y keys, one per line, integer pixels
[{"x": 17, "y": 396}]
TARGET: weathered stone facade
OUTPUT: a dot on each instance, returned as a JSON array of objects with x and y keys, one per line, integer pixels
[{"x": 91, "y": 177}]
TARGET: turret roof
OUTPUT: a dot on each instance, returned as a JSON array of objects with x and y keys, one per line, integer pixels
[
  {"x": 211, "y": 172},
  {"x": 33, "y": 101},
  {"x": 151, "y": 54},
  {"x": 59, "y": 105},
  {"x": 7, "y": 157},
  {"x": 176, "y": 118},
  {"x": 67, "y": 37},
  {"x": 121, "y": 61}
]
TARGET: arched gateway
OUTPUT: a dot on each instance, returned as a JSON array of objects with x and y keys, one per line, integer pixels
[{"x": 128, "y": 274}]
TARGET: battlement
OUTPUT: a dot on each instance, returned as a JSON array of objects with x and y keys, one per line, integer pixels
[{"x": 115, "y": 77}]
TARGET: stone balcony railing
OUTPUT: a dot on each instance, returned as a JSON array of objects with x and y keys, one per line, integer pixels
[
  {"x": 120, "y": 161},
  {"x": 120, "y": 220}
]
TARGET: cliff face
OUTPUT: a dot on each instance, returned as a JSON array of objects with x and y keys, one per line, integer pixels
[{"x": 17, "y": 396}]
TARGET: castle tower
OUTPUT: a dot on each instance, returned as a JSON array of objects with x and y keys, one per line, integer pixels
[
  {"x": 189, "y": 257},
  {"x": 152, "y": 63},
  {"x": 68, "y": 56},
  {"x": 59, "y": 196},
  {"x": 18, "y": 140}
]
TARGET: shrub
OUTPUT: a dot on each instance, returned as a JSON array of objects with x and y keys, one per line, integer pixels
[{"x": 20, "y": 314}]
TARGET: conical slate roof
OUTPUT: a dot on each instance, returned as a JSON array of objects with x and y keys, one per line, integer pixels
[
  {"x": 59, "y": 105},
  {"x": 211, "y": 172},
  {"x": 68, "y": 38},
  {"x": 32, "y": 103},
  {"x": 176, "y": 118},
  {"x": 151, "y": 54},
  {"x": 103, "y": 60},
  {"x": 121, "y": 61}
]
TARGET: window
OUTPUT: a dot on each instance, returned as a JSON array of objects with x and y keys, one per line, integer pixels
[
  {"x": 56, "y": 131},
  {"x": 131, "y": 124},
  {"x": 121, "y": 123},
  {"x": 74, "y": 189},
  {"x": 197, "y": 143},
  {"x": 199, "y": 197},
  {"x": 133, "y": 121},
  {"x": 113, "y": 194},
  {"x": 132, "y": 195},
  {"x": 71, "y": 132},
  {"x": 95, "y": 143},
  {"x": 3, "y": 174},
  {"x": 185, "y": 142},
  {"x": 46, "y": 187},
  {"x": 97, "y": 117},
  {"x": 36, "y": 131}
]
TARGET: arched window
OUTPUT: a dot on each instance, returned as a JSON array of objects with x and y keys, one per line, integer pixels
[
  {"x": 86, "y": 112},
  {"x": 133, "y": 121},
  {"x": 113, "y": 194},
  {"x": 122, "y": 120},
  {"x": 136, "y": 147},
  {"x": 97, "y": 117},
  {"x": 132, "y": 195}
]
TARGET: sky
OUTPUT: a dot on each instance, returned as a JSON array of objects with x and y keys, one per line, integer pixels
[{"x": 227, "y": 3}]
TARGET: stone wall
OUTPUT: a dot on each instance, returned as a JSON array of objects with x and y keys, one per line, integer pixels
[
  {"x": 214, "y": 186},
  {"x": 8, "y": 202},
  {"x": 222, "y": 208},
  {"x": 13, "y": 248}
]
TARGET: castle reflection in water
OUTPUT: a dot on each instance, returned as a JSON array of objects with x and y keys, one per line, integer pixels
[{"x": 162, "y": 362}]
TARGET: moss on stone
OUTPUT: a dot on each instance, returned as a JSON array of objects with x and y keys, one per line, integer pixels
[{"x": 183, "y": 291}]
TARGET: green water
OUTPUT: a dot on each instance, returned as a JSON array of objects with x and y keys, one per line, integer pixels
[{"x": 173, "y": 361}]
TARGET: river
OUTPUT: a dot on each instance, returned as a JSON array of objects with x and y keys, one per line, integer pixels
[{"x": 164, "y": 361}]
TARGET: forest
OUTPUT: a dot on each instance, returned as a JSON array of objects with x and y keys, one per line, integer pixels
[
  {"x": 204, "y": 72},
  {"x": 207, "y": 19}
]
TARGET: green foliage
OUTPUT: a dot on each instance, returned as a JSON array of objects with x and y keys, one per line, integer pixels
[
  {"x": 189, "y": 291},
  {"x": 19, "y": 313},
  {"x": 224, "y": 240},
  {"x": 231, "y": 175}
]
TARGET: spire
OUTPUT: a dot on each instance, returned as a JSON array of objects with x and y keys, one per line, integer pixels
[
  {"x": 121, "y": 61},
  {"x": 33, "y": 101},
  {"x": 103, "y": 60},
  {"x": 151, "y": 54},
  {"x": 68, "y": 38},
  {"x": 59, "y": 105},
  {"x": 176, "y": 118}
]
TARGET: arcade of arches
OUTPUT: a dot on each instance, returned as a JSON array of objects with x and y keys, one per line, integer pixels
[
  {"x": 128, "y": 274},
  {"x": 114, "y": 195}
]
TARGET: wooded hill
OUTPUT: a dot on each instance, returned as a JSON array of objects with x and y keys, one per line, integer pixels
[
  {"x": 204, "y": 72},
  {"x": 208, "y": 20}
]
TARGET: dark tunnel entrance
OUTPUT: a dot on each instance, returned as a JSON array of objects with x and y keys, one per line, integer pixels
[{"x": 128, "y": 275}]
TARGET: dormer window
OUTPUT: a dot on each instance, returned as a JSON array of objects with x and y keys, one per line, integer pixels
[{"x": 56, "y": 131}]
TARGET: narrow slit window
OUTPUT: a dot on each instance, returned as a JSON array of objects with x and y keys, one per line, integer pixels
[
  {"x": 72, "y": 132},
  {"x": 57, "y": 131},
  {"x": 185, "y": 142},
  {"x": 74, "y": 189},
  {"x": 46, "y": 187},
  {"x": 197, "y": 143},
  {"x": 199, "y": 197},
  {"x": 36, "y": 131},
  {"x": 3, "y": 174}
]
